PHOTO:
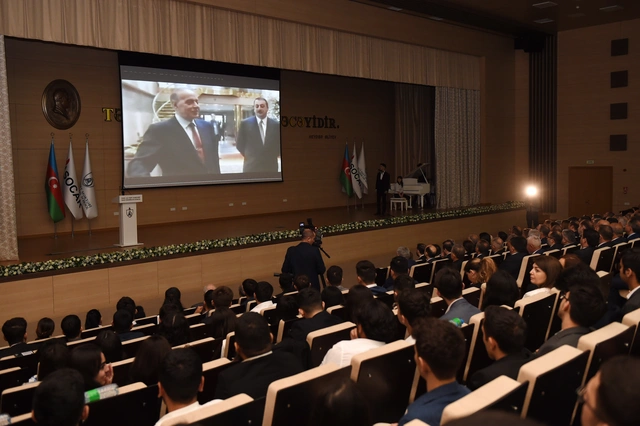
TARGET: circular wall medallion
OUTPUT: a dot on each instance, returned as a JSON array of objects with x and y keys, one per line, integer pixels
[{"x": 61, "y": 104}]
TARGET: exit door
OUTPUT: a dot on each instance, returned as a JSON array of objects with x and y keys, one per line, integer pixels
[{"x": 590, "y": 190}]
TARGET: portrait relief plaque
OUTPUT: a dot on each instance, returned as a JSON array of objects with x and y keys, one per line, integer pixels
[{"x": 61, "y": 104}]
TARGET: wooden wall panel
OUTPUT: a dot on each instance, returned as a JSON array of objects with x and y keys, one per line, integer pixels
[
  {"x": 136, "y": 281},
  {"x": 32, "y": 298},
  {"x": 185, "y": 272},
  {"x": 584, "y": 95},
  {"x": 78, "y": 292}
]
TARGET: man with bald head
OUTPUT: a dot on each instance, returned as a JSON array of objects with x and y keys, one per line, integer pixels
[
  {"x": 305, "y": 259},
  {"x": 181, "y": 145},
  {"x": 259, "y": 140}
]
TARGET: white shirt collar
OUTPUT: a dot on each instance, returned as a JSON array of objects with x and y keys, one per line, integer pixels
[
  {"x": 183, "y": 122},
  {"x": 631, "y": 293},
  {"x": 449, "y": 307}
]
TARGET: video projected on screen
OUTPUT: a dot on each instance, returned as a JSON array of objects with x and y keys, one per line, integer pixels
[{"x": 186, "y": 128}]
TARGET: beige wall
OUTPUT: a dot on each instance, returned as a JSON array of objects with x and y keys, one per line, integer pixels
[
  {"x": 584, "y": 95},
  {"x": 363, "y": 109}
]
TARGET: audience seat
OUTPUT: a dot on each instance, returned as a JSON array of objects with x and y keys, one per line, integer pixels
[
  {"x": 205, "y": 348},
  {"x": 250, "y": 305},
  {"x": 284, "y": 327},
  {"x": 605, "y": 283},
  {"x": 238, "y": 309},
  {"x": 385, "y": 375},
  {"x": 570, "y": 250},
  {"x": 73, "y": 344},
  {"x": 503, "y": 393},
  {"x": 135, "y": 405},
  {"x": 12, "y": 377},
  {"x": 28, "y": 362},
  {"x": 270, "y": 314},
  {"x": 289, "y": 401},
  {"x": 468, "y": 331},
  {"x": 199, "y": 331},
  {"x": 23, "y": 420},
  {"x": 537, "y": 312},
  {"x": 472, "y": 295},
  {"x": 194, "y": 318},
  {"x": 425, "y": 287},
  {"x": 619, "y": 251},
  {"x": 632, "y": 319},
  {"x": 93, "y": 332},
  {"x": 121, "y": 371},
  {"x": 386, "y": 298},
  {"x": 557, "y": 253},
  {"x": 477, "y": 357},
  {"x": 189, "y": 311},
  {"x": 381, "y": 275},
  {"x": 524, "y": 279},
  {"x": 421, "y": 272},
  {"x": 497, "y": 258},
  {"x": 602, "y": 259},
  {"x": 320, "y": 341},
  {"x": 437, "y": 266},
  {"x": 130, "y": 347},
  {"x": 553, "y": 379},
  {"x": 338, "y": 310},
  {"x": 609, "y": 341},
  {"x": 147, "y": 329},
  {"x": 210, "y": 371},
  {"x": 231, "y": 411},
  {"x": 16, "y": 401},
  {"x": 438, "y": 307},
  {"x": 152, "y": 319}
]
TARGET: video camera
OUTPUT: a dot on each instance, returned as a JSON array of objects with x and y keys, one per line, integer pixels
[{"x": 317, "y": 242}]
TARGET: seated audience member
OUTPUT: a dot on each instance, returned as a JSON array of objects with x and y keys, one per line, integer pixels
[
  {"x": 633, "y": 228},
  {"x": 449, "y": 286},
  {"x": 399, "y": 266},
  {"x": 420, "y": 253},
  {"x": 357, "y": 295},
  {"x": 618, "y": 234},
  {"x": 45, "y": 328},
  {"x": 588, "y": 242},
  {"x": 287, "y": 308},
  {"x": 375, "y": 326},
  {"x": 544, "y": 234},
  {"x": 89, "y": 360},
  {"x": 179, "y": 381},
  {"x": 166, "y": 310},
  {"x": 52, "y": 355},
  {"x": 402, "y": 251},
  {"x": 71, "y": 328},
  {"x": 447, "y": 245},
  {"x": 206, "y": 306},
  {"x": 504, "y": 335},
  {"x": 122, "y": 324},
  {"x": 543, "y": 275},
  {"x": 569, "y": 261},
  {"x": 300, "y": 282},
  {"x": 630, "y": 275},
  {"x": 248, "y": 289},
  {"x": 503, "y": 236},
  {"x": 59, "y": 400},
  {"x": 482, "y": 249},
  {"x": 432, "y": 252},
  {"x": 518, "y": 250},
  {"x": 534, "y": 245},
  {"x": 469, "y": 248},
  {"x": 412, "y": 305},
  {"x": 457, "y": 257},
  {"x": 484, "y": 236},
  {"x": 340, "y": 403},
  {"x": 606, "y": 236},
  {"x": 366, "y": 275},
  {"x": 580, "y": 308},
  {"x": 480, "y": 270},
  {"x": 334, "y": 277},
  {"x": 264, "y": 291},
  {"x": 139, "y": 313},
  {"x": 15, "y": 334},
  {"x": 568, "y": 238},
  {"x": 146, "y": 365},
  {"x": 331, "y": 296},
  {"x": 402, "y": 283},
  {"x": 610, "y": 398},
  {"x": 555, "y": 241},
  {"x": 110, "y": 345},
  {"x": 314, "y": 317},
  {"x": 516, "y": 231},
  {"x": 502, "y": 289},
  {"x": 93, "y": 319},
  {"x": 440, "y": 349},
  {"x": 202, "y": 304},
  {"x": 127, "y": 303},
  {"x": 222, "y": 320},
  {"x": 173, "y": 295},
  {"x": 260, "y": 366},
  {"x": 286, "y": 285},
  {"x": 497, "y": 246},
  {"x": 175, "y": 328}
]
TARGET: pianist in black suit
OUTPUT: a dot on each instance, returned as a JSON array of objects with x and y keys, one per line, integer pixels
[
  {"x": 15, "y": 334},
  {"x": 314, "y": 318}
]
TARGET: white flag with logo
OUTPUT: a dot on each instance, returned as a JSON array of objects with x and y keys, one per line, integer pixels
[
  {"x": 88, "y": 193},
  {"x": 71, "y": 186},
  {"x": 362, "y": 171},
  {"x": 355, "y": 177}
]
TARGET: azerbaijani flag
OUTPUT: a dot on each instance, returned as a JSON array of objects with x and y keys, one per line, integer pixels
[
  {"x": 345, "y": 174},
  {"x": 52, "y": 187}
]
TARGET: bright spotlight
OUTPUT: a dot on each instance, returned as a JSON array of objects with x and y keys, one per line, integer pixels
[{"x": 531, "y": 191}]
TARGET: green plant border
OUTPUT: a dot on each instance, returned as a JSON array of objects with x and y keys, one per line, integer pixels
[{"x": 147, "y": 253}]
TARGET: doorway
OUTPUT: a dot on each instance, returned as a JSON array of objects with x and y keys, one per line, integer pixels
[{"x": 590, "y": 190}]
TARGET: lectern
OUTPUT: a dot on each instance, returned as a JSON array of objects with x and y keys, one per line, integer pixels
[{"x": 128, "y": 220}]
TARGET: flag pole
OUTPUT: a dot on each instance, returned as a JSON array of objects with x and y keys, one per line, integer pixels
[{"x": 55, "y": 225}]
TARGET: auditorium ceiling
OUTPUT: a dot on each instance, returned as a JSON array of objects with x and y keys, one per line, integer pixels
[{"x": 518, "y": 17}]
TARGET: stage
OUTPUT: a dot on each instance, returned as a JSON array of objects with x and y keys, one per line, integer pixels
[{"x": 58, "y": 293}]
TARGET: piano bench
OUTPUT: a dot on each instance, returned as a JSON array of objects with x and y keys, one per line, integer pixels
[{"x": 402, "y": 201}]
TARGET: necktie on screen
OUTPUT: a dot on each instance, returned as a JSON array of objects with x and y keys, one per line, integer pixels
[
  {"x": 196, "y": 141},
  {"x": 262, "y": 130}
]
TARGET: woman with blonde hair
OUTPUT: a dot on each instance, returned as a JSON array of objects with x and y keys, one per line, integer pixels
[{"x": 480, "y": 270}]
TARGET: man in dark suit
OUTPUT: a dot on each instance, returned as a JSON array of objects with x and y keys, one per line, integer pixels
[
  {"x": 513, "y": 262},
  {"x": 555, "y": 241},
  {"x": 504, "y": 335},
  {"x": 448, "y": 284},
  {"x": 633, "y": 229},
  {"x": 314, "y": 317},
  {"x": 260, "y": 366},
  {"x": 383, "y": 184},
  {"x": 122, "y": 324},
  {"x": 15, "y": 334},
  {"x": 305, "y": 259},
  {"x": 457, "y": 256},
  {"x": 618, "y": 234},
  {"x": 589, "y": 241},
  {"x": 71, "y": 328},
  {"x": 181, "y": 145},
  {"x": 259, "y": 140},
  {"x": 606, "y": 236},
  {"x": 421, "y": 258},
  {"x": 630, "y": 274}
]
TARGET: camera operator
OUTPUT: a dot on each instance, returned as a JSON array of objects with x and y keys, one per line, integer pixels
[{"x": 305, "y": 258}]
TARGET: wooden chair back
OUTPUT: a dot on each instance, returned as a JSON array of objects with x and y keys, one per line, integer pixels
[
  {"x": 607, "y": 342},
  {"x": 121, "y": 371},
  {"x": 284, "y": 327},
  {"x": 632, "y": 319},
  {"x": 205, "y": 348},
  {"x": 320, "y": 341},
  {"x": 381, "y": 275},
  {"x": 18, "y": 400},
  {"x": 211, "y": 370},
  {"x": 93, "y": 332},
  {"x": 12, "y": 377},
  {"x": 421, "y": 272},
  {"x": 130, "y": 347},
  {"x": 134, "y": 408},
  {"x": 537, "y": 312}
]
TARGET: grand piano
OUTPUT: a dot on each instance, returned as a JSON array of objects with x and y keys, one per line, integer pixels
[{"x": 413, "y": 187}]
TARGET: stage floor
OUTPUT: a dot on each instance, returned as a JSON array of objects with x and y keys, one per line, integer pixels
[{"x": 34, "y": 249}]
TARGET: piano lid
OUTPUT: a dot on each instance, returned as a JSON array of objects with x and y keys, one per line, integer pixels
[{"x": 419, "y": 172}]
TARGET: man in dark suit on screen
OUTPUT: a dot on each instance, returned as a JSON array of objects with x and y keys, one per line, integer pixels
[
  {"x": 259, "y": 140},
  {"x": 181, "y": 145}
]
